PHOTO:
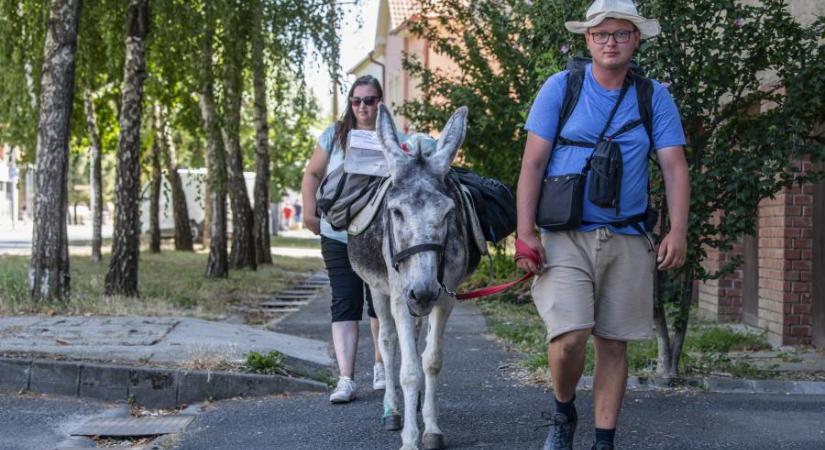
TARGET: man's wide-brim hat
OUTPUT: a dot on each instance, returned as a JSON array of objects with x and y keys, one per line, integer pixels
[{"x": 615, "y": 9}]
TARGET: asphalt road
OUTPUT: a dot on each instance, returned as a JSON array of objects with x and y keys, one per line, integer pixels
[
  {"x": 18, "y": 241},
  {"x": 38, "y": 422},
  {"x": 481, "y": 406}
]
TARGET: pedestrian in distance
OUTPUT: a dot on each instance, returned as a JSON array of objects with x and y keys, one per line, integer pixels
[
  {"x": 595, "y": 266},
  {"x": 348, "y": 290}
]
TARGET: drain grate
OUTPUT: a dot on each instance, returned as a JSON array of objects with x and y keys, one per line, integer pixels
[{"x": 132, "y": 426}]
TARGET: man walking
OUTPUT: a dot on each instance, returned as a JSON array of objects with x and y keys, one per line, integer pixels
[{"x": 596, "y": 275}]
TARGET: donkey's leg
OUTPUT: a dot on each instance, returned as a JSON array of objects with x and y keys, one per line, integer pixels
[
  {"x": 410, "y": 373},
  {"x": 433, "y": 357},
  {"x": 391, "y": 417}
]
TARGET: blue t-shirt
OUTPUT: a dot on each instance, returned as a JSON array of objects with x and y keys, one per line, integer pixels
[{"x": 586, "y": 123}]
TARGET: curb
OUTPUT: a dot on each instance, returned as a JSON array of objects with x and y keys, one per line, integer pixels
[
  {"x": 148, "y": 387},
  {"x": 720, "y": 385}
]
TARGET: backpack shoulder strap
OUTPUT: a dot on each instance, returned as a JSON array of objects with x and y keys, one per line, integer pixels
[
  {"x": 575, "y": 80},
  {"x": 644, "y": 97}
]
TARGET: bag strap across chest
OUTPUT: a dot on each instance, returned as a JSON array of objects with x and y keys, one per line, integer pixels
[{"x": 575, "y": 80}]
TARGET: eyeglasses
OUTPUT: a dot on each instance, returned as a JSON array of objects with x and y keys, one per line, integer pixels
[
  {"x": 369, "y": 100},
  {"x": 621, "y": 36}
]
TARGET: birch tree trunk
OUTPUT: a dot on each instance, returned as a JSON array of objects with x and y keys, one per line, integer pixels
[
  {"x": 95, "y": 177},
  {"x": 242, "y": 254},
  {"x": 206, "y": 228},
  {"x": 49, "y": 277},
  {"x": 122, "y": 276},
  {"x": 217, "y": 265},
  {"x": 154, "y": 194},
  {"x": 263, "y": 254},
  {"x": 180, "y": 211}
]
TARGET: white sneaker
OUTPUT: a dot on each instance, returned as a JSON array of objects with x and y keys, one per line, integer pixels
[
  {"x": 379, "y": 377},
  {"x": 344, "y": 392}
]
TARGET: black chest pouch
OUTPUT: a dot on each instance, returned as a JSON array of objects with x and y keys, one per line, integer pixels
[{"x": 605, "y": 185}]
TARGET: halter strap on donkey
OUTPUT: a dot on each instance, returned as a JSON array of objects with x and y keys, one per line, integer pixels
[{"x": 438, "y": 248}]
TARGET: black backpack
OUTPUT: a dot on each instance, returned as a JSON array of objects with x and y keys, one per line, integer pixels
[
  {"x": 494, "y": 203},
  {"x": 575, "y": 80}
]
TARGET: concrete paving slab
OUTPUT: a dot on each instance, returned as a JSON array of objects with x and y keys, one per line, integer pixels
[{"x": 171, "y": 340}]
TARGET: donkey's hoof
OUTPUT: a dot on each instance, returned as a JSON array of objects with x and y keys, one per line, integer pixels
[
  {"x": 432, "y": 441},
  {"x": 391, "y": 422}
]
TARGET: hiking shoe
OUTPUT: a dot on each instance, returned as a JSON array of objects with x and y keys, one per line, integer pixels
[
  {"x": 344, "y": 392},
  {"x": 562, "y": 430},
  {"x": 379, "y": 377},
  {"x": 602, "y": 446}
]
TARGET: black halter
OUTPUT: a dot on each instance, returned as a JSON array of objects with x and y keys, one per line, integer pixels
[{"x": 439, "y": 248}]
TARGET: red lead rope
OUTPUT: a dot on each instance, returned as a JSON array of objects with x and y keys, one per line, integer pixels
[
  {"x": 490, "y": 290},
  {"x": 522, "y": 251}
]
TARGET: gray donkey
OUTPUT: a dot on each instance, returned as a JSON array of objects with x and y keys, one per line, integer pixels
[{"x": 413, "y": 255}]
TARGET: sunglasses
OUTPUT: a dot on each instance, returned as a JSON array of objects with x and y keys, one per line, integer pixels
[{"x": 369, "y": 100}]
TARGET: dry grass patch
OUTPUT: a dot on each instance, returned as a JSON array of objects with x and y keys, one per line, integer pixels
[{"x": 170, "y": 283}]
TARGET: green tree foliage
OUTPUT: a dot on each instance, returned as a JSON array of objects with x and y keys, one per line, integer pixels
[
  {"x": 23, "y": 25},
  {"x": 290, "y": 29},
  {"x": 505, "y": 50},
  {"x": 747, "y": 78},
  {"x": 291, "y": 140}
]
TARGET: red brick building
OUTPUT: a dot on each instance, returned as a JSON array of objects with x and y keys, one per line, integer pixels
[{"x": 780, "y": 288}]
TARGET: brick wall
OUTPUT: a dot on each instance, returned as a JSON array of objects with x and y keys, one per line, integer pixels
[
  {"x": 785, "y": 256},
  {"x": 721, "y": 300}
]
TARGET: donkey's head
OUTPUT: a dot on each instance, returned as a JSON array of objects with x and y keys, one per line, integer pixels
[{"x": 419, "y": 207}]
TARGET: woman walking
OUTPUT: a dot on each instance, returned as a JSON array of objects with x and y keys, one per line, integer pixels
[{"x": 348, "y": 290}]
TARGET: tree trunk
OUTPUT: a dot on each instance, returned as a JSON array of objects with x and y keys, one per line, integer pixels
[
  {"x": 217, "y": 266},
  {"x": 206, "y": 228},
  {"x": 122, "y": 276},
  {"x": 243, "y": 243},
  {"x": 664, "y": 364},
  {"x": 95, "y": 177},
  {"x": 154, "y": 193},
  {"x": 180, "y": 211},
  {"x": 263, "y": 254},
  {"x": 49, "y": 277},
  {"x": 680, "y": 323}
]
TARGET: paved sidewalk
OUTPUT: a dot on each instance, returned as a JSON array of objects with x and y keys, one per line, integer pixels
[
  {"x": 166, "y": 340},
  {"x": 153, "y": 361},
  {"x": 481, "y": 406}
]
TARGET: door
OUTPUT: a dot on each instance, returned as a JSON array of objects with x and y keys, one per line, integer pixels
[
  {"x": 818, "y": 267},
  {"x": 750, "y": 280}
]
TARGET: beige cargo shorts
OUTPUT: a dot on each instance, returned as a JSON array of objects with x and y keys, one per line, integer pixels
[{"x": 597, "y": 279}]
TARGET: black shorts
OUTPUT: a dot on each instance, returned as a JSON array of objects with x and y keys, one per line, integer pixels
[{"x": 348, "y": 290}]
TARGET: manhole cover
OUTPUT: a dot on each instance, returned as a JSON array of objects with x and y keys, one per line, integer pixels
[{"x": 131, "y": 426}]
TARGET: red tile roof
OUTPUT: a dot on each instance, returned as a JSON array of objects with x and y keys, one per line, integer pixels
[{"x": 401, "y": 10}]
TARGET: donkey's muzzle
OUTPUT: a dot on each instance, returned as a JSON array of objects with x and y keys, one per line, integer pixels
[{"x": 420, "y": 299}]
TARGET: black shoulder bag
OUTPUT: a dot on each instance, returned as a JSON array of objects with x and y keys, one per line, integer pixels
[{"x": 562, "y": 196}]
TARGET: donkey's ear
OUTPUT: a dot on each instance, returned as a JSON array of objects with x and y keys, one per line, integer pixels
[
  {"x": 450, "y": 141},
  {"x": 385, "y": 127}
]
